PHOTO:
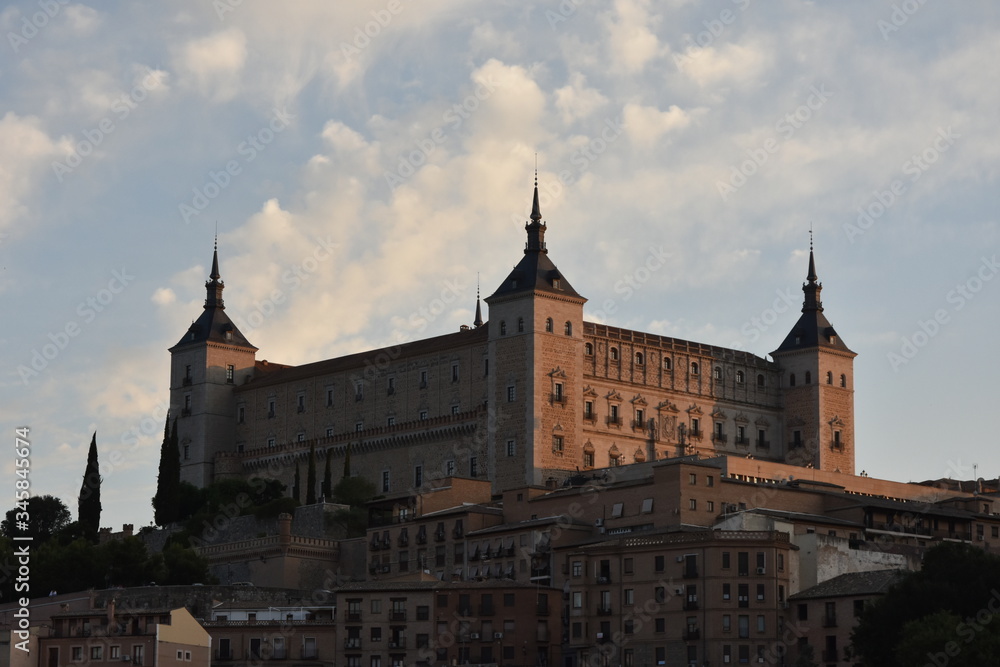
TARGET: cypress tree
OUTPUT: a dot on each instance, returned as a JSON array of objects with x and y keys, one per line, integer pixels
[
  {"x": 89, "y": 503},
  {"x": 327, "y": 481},
  {"x": 347, "y": 461},
  {"x": 311, "y": 476},
  {"x": 295, "y": 485},
  {"x": 166, "y": 500}
]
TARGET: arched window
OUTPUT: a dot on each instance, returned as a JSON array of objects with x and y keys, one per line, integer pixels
[
  {"x": 843, "y": 380},
  {"x": 740, "y": 377},
  {"x": 760, "y": 379},
  {"x": 640, "y": 359},
  {"x": 694, "y": 368},
  {"x": 568, "y": 328},
  {"x": 667, "y": 365},
  {"x": 503, "y": 328},
  {"x": 829, "y": 377},
  {"x": 588, "y": 349},
  {"x": 809, "y": 377},
  {"x": 613, "y": 353},
  {"x": 791, "y": 380},
  {"x": 520, "y": 325},
  {"x": 548, "y": 325},
  {"x": 717, "y": 373}
]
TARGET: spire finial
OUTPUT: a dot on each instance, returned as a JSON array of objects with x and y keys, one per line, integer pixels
[
  {"x": 811, "y": 277},
  {"x": 536, "y": 213},
  {"x": 215, "y": 256},
  {"x": 478, "y": 322}
]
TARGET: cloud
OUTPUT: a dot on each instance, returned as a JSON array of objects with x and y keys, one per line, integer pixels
[
  {"x": 163, "y": 296},
  {"x": 646, "y": 125},
  {"x": 213, "y": 65},
  {"x": 25, "y": 150},
  {"x": 575, "y": 100}
]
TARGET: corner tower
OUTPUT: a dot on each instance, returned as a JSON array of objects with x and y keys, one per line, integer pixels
[
  {"x": 818, "y": 387},
  {"x": 535, "y": 340},
  {"x": 205, "y": 366}
]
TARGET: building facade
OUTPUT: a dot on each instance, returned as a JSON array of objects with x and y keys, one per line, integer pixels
[{"x": 527, "y": 398}]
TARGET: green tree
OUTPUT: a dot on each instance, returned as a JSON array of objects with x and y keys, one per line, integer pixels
[
  {"x": 296, "y": 488},
  {"x": 89, "y": 504},
  {"x": 166, "y": 502},
  {"x": 347, "y": 461},
  {"x": 311, "y": 476},
  {"x": 47, "y": 516},
  {"x": 354, "y": 492},
  {"x": 919, "y": 612},
  {"x": 806, "y": 658}
]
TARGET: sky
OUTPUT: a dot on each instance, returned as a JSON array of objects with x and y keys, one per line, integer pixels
[{"x": 364, "y": 162}]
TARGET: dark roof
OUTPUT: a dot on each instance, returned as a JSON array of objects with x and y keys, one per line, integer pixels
[
  {"x": 213, "y": 325},
  {"x": 813, "y": 329},
  {"x": 852, "y": 584},
  {"x": 535, "y": 271},
  {"x": 404, "y": 585},
  {"x": 359, "y": 359}
]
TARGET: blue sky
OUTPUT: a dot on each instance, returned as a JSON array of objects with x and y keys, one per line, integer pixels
[{"x": 364, "y": 163}]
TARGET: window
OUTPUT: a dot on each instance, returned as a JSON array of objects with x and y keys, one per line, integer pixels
[
  {"x": 423, "y": 415},
  {"x": 309, "y": 648},
  {"x": 616, "y": 510},
  {"x": 743, "y": 595},
  {"x": 588, "y": 409},
  {"x": 829, "y": 377},
  {"x": 809, "y": 377},
  {"x": 558, "y": 393},
  {"x": 390, "y": 421},
  {"x": 658, "y": 563},
  {"x": 727, "y": 623},
  {"x": 843, "y": 380},
  {"x": 511, "y": 448},
  {"x": 473, "y": 466},
  {"x": 454, "y": 409},
  {"x": 577, "y": 599},
  {"x": 454, "y": 372},
  {"x": 588, "y": 459},
  {"x": 511, "y": 393},
  {"x": 97, "y": 653},
  {"x": 647, "y": 506},
  {"x": 629, "y": 565},
  {"x": 613, "y": 353},
  {"x": 740, "y": 377},
  {"x": 115, "y": 652},
  {"x": 557, "y": 444},
  {"x": 613, "y": 417},
  {"x": 692, "y": 504},
  {"x": 743, "y": 625},
  {"x": 486, "y": 366},
  {"x": 449, "y": 468},
  {"x": 803, "y": 612},
  {"x": 187, "y": 452},
  {"x": 760, "y": 379},
  {"x": 385, "y": 481},
  {"x": 692, "y": 479},
  {"x": 300, "y": 436},
  {"x": 503, "y": 328},
  {"x": 329, "y": 398},
  {"x": 270, "y": 442},
  {"x": 359, "y": 390},
  {"x": 791, "y": 380},
  {"x": 520, "y": 325},
  {"x": 640, "y": 359},
  {"x": 138, "y": 653},
  {"x": 760, "y": 591},
  {"x": 418, "y": 476},
  {"x": 359, "y": 426},
  {"x": 727, "y": 592},
  {"x": 837, "y": 444},
  {"x": 725, "y": 560},
  {"x": 577, "y": 568},
  {"x": 717, "y": 373},
  {"x": 568, "y": 328},
  {"x": 695, "y": 426},
  {"x": 640, "y": 418},
  {"x": 694, "y": 368},
  {"x": 390, "y": 385},
  {"x": 230, "y": 373},
  {"x": 241, "y": 415},
  {"x": 548, "y": 325},
  {"x": 588, "y": 349},
  {"x": 423, "y": 379},
  {"x": 667, "y": 365},
  {"x": 710, "y": 506},
  {"x": 743, "y": 563}
]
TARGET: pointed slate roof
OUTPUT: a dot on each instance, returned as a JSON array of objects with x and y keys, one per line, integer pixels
[
  {"x": 535, "y": 271},
  {"x": 813, "y": 329},
  {"x": 213, "y": 325}
]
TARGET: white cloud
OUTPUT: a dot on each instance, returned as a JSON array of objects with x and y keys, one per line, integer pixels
[
  {"x": 575, "y": 100},
  {"x": 163, "y": 296},
  {"x": 646, "y": 125},
  {"x": 25, "y": 151},
  {"x": 632, "y": 44},
  {"x": 214, "y": 64}
]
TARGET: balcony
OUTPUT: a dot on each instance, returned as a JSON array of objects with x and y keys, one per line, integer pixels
[
  {"x": 589, "y": 417},
  {"x": 604, "y": 611},
  {"x": 354, "y": 617},
  {"x": 352, "y": 642},
  {"x": 604, "y": 578},
  {"x": 695, "y": 434},
  {"x": 690, "y": 605},
  {"x": 638, "y": 424},
  {"x": 763, "y": 444},
  {"x": 837, "y": 445},
  {"x": 487, "y": 610},
  {"x": 557, "y": 398},
  {"x": 614, "y": 421},
  {"x": 439, "y": 536},
  {"x": 691, "y": 573},
  {"x": 542, "y": 609},
  {"x": 692, "y": 634},
  {"x": 742, "y": 442},
  {"x": 720, "y": 438},
  {"x": 830, "y": 622},
  {"x": 397, "y": 643},
  {"x": 397, "y": 615}
]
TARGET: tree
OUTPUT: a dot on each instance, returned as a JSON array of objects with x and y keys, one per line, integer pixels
[
  {"x": 311, "y": 476},
  {"x": 47, "y": 516},
  {"x": 166, "y": 502},
  {"x": 327, "y": 488},
  {"x": 89, "y": 504},
  {"x": 937, "y": 610},
  {"x": 296, "y": 490},
  {"x": 806, "y": 657},
  {"x": 355, "y": 492},
  {"x": 347, "y": 461}
]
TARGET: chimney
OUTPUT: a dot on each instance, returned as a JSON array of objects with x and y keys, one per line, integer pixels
[{"x": 285, "y": 528}]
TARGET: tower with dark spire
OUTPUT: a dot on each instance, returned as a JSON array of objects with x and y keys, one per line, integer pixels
[
  {"x": 206, "y": 364},
  {"x": 817, "y": 385},
  {"x": 535, "y": 340}
]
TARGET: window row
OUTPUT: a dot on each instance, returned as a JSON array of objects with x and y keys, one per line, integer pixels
[
  {"x": 808, "y": 379},
  {"x": 549, "y": 326}
]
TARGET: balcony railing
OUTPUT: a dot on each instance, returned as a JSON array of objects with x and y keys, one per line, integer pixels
[
  {"x": 604, "y": 611},
  {"x": 830, "y": 622},
  {"x": 720, "y": 437},
  {"x": 742, "y": 442},
  {"x": 690, "y": 605},
  {"x": 352, "y": 642},
  {"x": 397, "y": 643},
  {"x": 557, "y": 398},
  {"x": 354, "y": 616},
  {"x": 397, "y": 615},
  {"x": 542, "y": 609},
  {"x": 692, "y": 634},
  {"x": 614, "y": 421},
  {"x": 763, "y": 444}
]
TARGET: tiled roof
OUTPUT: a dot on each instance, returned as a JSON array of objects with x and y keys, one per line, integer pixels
[{"x": 851, "y": 584}]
